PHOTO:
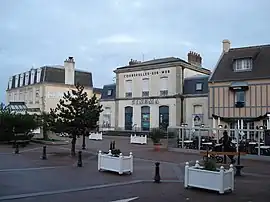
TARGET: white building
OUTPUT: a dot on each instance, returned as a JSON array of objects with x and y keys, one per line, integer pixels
[{"x": 151, "y": 94}]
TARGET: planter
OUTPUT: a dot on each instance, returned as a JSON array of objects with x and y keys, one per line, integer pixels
[
  {"x": 157, "y": 146},
  {"x": 121, "y": 164},
  {"x": 95, "y": 136},
  {"x": 221, "y": 180},
  {"x": 142, "y": 139}
]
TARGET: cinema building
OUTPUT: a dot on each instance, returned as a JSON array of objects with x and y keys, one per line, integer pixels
[{"x": 156, "y": 93}]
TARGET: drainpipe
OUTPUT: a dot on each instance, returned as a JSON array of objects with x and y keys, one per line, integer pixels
[{"x": 182, "y": 97}]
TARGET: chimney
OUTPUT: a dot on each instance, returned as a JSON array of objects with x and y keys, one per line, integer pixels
[
  {"x": 195, "y": 58},
  {"x": 226, "y": 45},
  {"x": 69, "y": 65}
]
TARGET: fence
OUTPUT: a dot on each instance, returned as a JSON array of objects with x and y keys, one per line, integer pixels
[{"x": 252, "y": 141}]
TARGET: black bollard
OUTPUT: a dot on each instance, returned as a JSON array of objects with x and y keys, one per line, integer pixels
[
  {"x": 238, "y": 167},
  {"x": 113, "y": 145},
  {"x": 157, "y": 175},
  {"x": 44, "y": 154},
  {"x": 17, "y": 151},
  {"x": 83, "y": 144},
  {"x": 79, "y": 164}
]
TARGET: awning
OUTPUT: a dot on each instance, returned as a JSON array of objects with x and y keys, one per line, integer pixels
[
  {"x": 239, "y": 86},
  {"x": 235, "y": 119}
]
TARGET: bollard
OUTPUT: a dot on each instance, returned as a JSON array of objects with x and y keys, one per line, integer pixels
[
  {"x": 113, "y": 145},
  {"x": 44, "y": 154},
  {"x": 79, "y": 164},
  {"x": 17, "y": 151},
  {"x": 238, "y": 167},
  {"x": 157, "y": 175}
]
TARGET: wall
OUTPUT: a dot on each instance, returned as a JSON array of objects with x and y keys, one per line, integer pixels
[
  {"x": 222, "y": 100},
  {"x": 189, "y": 109},
  {"x": 154, "y": 81},
  {"x": 53, "y": 93},
  {"x": 154, "y": 112},
  {"x": 111, "y": 105}
]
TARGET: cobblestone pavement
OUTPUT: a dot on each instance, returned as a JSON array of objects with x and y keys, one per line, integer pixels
[{"x": 25, "y": 177}]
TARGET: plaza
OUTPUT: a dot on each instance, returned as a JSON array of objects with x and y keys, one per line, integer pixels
[{"x": 25, "y": 177}]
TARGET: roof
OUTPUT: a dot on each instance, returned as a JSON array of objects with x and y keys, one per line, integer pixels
[
  {"x": 97, "y": 90},
  {"x": 159, "y": 63},
  {"x": 54, "y": 74},
  {"x": 260, "y": 70},
  {"x": 190, "y": 84},
  {"x": 16, "y": 107},
  {"x": 106, "y": 95}
]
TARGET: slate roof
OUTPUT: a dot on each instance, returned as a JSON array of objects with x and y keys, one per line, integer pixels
[
  {"x": 159, "y": 61},
  {"x": 106, "y": 88},
  {"x": 97, "y": 90},
  {"x": 190, "y": 85},
  {"x": 55, "y": 74},
  {"x": 260, "y": 70}
]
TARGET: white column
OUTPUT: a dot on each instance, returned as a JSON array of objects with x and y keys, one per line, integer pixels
[
  {"x": 218, "y": 121},
  {"x": 268, "y": 122},
  {"x": 242, "y": 127}
]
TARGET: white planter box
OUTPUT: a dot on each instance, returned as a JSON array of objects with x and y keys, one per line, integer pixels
[
  {"x": 134, "y": 139},
  {"x": 95, "y": 136},
  {"x": 220, "y": 181},
  {"x": 121, "y": 164}
]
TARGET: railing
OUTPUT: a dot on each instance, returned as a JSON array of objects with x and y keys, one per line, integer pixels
[{"x": 203, "y": 138}]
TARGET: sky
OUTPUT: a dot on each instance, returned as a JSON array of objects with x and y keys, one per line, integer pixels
[{"x": 104, "y": 34}]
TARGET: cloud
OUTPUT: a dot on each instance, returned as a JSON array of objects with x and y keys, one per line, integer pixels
[{"x": 118, "y": 39}]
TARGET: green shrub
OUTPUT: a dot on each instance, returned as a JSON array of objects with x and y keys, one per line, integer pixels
[
  {"x": 156, "y": 134},
  {"x": 210, "y": 165}
]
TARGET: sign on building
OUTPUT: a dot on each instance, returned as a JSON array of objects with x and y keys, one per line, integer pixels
[{"x": 145, "y": 101}]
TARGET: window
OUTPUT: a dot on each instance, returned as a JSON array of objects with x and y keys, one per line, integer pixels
[
  {"x": 21, "y": 96},
  {"x": 128, "y": 88},
  {"x": 197, "y": 118},
  {"x": 128, "y": 118},
  {"x": 251, "y": 133},
  {"x": 37, "y": 96},
  {"x": 10, "y": 83},
  {"x": 240, "y": 98},
  {"x": 145, "y": 118},
  {"x": 26, "y": 82},
  {"x": 198, "y": 86},
  {"x": 21, "y": 80},
  {"x": 15, "y": 97},
  {"x": 109, "y": 93},
  {"x": 30, "y": 96},
  {"x": 16, "y": 81},
  {"x": 163, "y": 86},
  {"x": 145, "y": 87},
  {"x": 38, "y": 75},
  {"x": 32, "y": 76},
  {"x": 107, "y": 118},
  {"x": 164, "y": 117},
  {"x": 242, "y": 64},
  {"x": 232, "y": 131}
]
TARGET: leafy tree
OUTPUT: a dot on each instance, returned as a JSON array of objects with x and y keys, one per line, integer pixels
[{"x": 76, "y": 114}]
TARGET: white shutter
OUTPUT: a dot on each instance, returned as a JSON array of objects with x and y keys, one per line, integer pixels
[
  {"x": 145, "y": 85},
  {"x": 128, "y": 86},
  {"x": 164, "y": 83}
]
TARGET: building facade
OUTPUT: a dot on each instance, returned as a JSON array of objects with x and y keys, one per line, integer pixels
[
  {"x": 41, "y": 89},
  {"x": 239, "y": 88},
  {"x": 150, "y": 94}
]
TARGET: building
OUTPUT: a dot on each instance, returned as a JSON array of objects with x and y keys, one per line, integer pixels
[
  {"x": 239, "y": 88},
  {"x": 151, "y": 94},
  {"x": 41, "y": 88}
]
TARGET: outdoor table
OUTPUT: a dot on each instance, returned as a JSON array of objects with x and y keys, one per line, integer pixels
[{"x": 265, "y": 150}]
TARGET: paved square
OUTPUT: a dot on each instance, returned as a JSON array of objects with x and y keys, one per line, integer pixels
[{"x": 25, "y": 177}]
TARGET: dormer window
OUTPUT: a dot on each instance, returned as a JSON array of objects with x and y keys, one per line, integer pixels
[
  {"x": 244, "y": 64},
  {"x": 109, "y": 93},
  {"x": 198, "y": 86}
]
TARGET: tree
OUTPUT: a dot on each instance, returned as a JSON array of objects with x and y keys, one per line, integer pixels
[{"x": 76, "y": 114}]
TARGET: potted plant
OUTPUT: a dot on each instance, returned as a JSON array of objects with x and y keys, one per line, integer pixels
[
  {"x": 209, "y": 176},
  {"x": 156, "y": 134}
]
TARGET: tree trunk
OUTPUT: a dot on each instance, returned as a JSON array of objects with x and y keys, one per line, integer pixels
[{"x": 73, "y": 144}]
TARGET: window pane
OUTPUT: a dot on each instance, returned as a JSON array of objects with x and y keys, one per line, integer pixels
[
  {"x": 164, "y": 83},
  {"x": 145, "y": 85},
  {"x": 128, "y": 86}
]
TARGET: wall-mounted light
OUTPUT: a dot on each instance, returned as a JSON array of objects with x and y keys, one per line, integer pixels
[
  {"x": 220, "y": 126},
  {"x": 261, "y": 127}
]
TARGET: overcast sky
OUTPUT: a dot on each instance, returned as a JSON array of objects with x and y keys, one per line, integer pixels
[{"x": 104, "y": 34}]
